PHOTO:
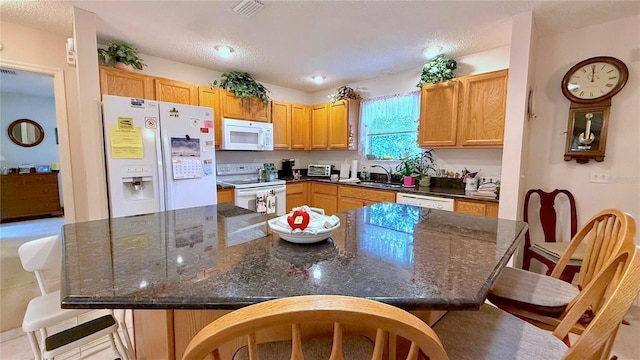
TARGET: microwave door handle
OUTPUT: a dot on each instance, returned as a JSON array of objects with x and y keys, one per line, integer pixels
[{"x": 261, "y": 139}]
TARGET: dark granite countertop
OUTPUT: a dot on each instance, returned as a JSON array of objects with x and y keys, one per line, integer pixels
[
  {"x": 445, "y": 192},
  {"x": 223, "y": 257}
]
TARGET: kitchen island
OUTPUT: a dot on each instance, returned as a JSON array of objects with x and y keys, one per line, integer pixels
[{"x": 170, "y": 267}]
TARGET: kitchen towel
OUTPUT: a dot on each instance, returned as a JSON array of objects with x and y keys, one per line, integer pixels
[{"x": 266, "y": 202}]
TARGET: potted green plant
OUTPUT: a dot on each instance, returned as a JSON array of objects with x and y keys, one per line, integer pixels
[
  {"x": 439, "y": 68},
  {"x": 121, "y": 55},
  {"x": 344, "y": 92},
  {"x": 243, "y": 85},
  {"x": 408, "y": 168},
  {"x": 426, "y": 168}
]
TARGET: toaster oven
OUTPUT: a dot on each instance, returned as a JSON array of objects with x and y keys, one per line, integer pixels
[{"x": 319, "y": 170}]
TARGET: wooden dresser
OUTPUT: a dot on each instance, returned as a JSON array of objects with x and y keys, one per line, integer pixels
[{"x": 24, "y": 196}]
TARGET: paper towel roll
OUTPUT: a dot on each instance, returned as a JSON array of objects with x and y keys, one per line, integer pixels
[
  {"x": 344, "y": 170},
  {"x": 354, "y": 169}
]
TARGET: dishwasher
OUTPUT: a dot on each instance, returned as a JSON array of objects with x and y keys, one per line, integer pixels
[{"x": 431, "y": 202}]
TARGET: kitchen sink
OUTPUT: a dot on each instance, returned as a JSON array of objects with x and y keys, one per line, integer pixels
[{"x": 380, "y": 185}]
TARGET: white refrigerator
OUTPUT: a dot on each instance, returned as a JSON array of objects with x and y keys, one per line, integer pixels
[{"x": 159, "y": 156}]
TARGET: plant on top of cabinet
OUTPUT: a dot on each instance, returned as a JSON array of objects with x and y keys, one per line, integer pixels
[
  {"x": 243, "y": 85},
  {"x": 344, "y": 92},
  {"x": 120, "y": 52},
  {"x": 438, "y": 69}
]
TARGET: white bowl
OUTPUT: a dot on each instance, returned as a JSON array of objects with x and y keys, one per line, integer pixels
[{"x": 315, "y": 232}]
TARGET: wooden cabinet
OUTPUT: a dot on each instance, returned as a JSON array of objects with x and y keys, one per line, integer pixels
[
  {"x": 29, "y": 196},
  {"x": 300, "y": 127},
  {"x": 226, "y": 196},
  {"x": 325, "y": 196},
  {"x": 334, "y": 125},
  {"x": 343, "y": 124},
  {"x": 175, "y": 91},
  {"x": 465, "y": 112},
  {"x": 281, "y": 119},
  {"x": 476, "y": 207},
  {"x": 210, "y": 97},
  {"x": 483, "y": 109},
  {"x": 319, "y": 126},
  {"x": 297, "y": 195},
  {"x": 352, "y": 197},
  {"x": 236, "y": 107},
  {"x": 290, "y": 125},
  {"x": 438, "y": 114},
  {"x": 123, "y": 83}
]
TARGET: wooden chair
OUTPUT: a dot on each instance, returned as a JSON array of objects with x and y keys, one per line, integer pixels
[
  {"x": 44, "y": 312},
  {"x": 544, "y": 300},
  {"x": 495, "y": 334},
  {"x": 302, "y": 317},
  {"x": 548, "y": 250}
]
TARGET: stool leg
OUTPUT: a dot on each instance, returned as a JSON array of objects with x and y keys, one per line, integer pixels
[{"x": 35, "y": 347}]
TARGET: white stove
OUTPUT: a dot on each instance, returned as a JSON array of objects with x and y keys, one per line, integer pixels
[{"x": 251, "y": 192}]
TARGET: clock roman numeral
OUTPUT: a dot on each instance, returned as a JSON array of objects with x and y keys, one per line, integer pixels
[
  {"x": 613, "y": 78},
  {"x": 609, "y": 71},
  {"x": 575, "y": 90},
  {"x": 584, "y": 70},
  {"x": 608, "y": 85},
  {"x": 581, "y": 93},
  {"x": 591, "y": 94},
  {"x": 603, "y": 65}
]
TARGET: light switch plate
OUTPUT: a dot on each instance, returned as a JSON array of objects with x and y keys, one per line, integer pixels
[{"x": 600, "y": 176}]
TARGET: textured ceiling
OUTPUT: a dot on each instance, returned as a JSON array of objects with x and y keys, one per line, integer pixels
[{"x": 287, "y": 42}]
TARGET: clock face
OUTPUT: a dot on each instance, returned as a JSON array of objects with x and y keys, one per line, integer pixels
[{"x": 594, "y": 79}]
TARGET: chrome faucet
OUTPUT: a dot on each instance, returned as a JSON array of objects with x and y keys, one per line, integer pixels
[{"x": 388, "y": 171}]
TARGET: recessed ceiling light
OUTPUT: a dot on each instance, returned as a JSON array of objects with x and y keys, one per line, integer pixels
[
  {"x": 432, "y": 51},
  {"x": 224, "y": 50},
  {"x": 318, "y": 79}
]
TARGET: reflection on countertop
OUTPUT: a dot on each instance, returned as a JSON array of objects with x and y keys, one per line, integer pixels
[{"x": 224, "y": 257}]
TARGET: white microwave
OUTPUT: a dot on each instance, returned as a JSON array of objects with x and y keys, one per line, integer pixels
[{"x": 246, "y": 135}]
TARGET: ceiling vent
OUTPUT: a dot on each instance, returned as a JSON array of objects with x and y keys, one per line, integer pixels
[
  {"x": 8, "y": 72},
  {"x": 248, "y": 7}
]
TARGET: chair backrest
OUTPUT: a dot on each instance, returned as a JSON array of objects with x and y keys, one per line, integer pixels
[
  {"x": 548, "y": 214},
  {"x": 605, "y": 235},
  {"x": 347, "y": 314},
  {"x": 619, "y": 283},
  {"x": 40, "y": 255}
]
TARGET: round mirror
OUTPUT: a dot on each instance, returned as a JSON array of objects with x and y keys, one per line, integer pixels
[{"x": 25, "y": 132}]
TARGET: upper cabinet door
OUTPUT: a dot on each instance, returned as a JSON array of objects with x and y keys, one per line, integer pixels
[
  {"x": 281, "y": 119},
  {"x": 232, "y": 106},
  {"x": 483, "y": 111},
  {"x": 176, "y": 91},
  {"x": 319, "y": 126},
  {"x": 255, "y": 109},
  {"x": 338, "y": 124},
  {"x": 438, "y": 114},
  {"x": 210, "y": 97},
  {"x": 123, "y": 83},
  {"x": 300, "y": 127}
]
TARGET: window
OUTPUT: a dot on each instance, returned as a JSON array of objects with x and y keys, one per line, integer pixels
[{"x": 389, "y": 126}]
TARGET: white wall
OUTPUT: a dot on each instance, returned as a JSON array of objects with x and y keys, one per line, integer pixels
[
  {"x": 41, "y": 109},
  {"x": 546, "y": 168},
  {"x": 196, "y": 75}
]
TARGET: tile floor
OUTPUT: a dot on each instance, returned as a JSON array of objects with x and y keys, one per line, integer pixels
[{"x": 15, "y": 346}]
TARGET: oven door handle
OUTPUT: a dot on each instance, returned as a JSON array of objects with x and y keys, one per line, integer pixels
[{"x": 254, "y": 192}]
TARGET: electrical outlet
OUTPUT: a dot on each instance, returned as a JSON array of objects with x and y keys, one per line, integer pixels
[{"x": 601, "y": 176}]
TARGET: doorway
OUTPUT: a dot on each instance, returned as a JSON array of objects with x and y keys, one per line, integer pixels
[{"x": 40, "y": 92}]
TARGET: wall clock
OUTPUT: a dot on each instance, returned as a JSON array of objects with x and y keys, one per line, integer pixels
[{"x": 590, "y": 85}]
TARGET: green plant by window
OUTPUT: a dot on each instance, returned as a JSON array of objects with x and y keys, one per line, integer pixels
[
  {"x": 417, "y": 166},
  {"x": 120, "y": 52},
  {"x": 439, "y": 68},
  {"x": 243, "y": 85}
]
